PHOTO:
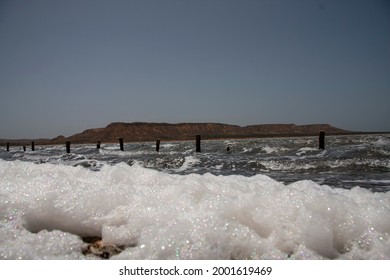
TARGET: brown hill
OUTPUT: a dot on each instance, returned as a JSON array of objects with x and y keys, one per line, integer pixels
[{"x": 139, "y": 131}]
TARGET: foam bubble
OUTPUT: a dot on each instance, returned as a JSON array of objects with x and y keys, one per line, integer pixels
[{"x": 45, "y": 209}]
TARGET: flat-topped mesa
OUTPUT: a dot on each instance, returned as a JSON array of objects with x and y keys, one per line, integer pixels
[
  {"x": 143, "y": 131},
  {"x": 292, "y": 129}
]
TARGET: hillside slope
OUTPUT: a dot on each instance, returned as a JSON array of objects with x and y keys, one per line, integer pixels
[{"x": 139, "y": 131}]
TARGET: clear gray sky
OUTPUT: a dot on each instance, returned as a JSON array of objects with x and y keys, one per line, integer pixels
[{"x": 70, "y": 65}]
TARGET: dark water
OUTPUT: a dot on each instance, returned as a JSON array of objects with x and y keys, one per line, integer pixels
[{"x": 347, "y": 161}]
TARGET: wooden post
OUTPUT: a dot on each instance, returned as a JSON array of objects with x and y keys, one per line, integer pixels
[
  {"x": 32, "y": 146},
  {"x": 158, "y": 145},
  {"x": 7, "y": 146},
  {"x": 197, "y": 143},
  {"x": 121, "y": 144},
  {"x": 98, "y": 145},
  {"x": 321, "y": 140},
  {"x": 24, "y": 148},
  {"x": 68, "y": 147}
]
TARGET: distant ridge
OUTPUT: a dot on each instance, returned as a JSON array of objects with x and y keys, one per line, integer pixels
[{"x": 142, "y": 131}]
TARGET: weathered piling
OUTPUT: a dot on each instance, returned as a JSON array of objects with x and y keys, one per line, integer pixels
[
  {"x": 68, "y": 147},
  {"x": 197, "y": 137},
  {"x": 121, "y": 144},
  {"x": 7, "y": 146},
  {"x": 98, "y": 145},
  {"x": 32, "y": 146},
  {"x": 158, "y": 145},
  {"x": 321, "y": 140}
]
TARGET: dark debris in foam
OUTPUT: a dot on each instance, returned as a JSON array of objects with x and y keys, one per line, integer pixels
[
  {"x": 94, "y": 245},
  {"x": 97, "y": 247}
]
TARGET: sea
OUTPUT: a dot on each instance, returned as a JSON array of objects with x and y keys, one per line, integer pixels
[{"x": 266, "y": 198}]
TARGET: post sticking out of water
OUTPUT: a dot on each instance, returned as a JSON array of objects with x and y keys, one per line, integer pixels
[
  {"x": 321, "y": 140},
  {"x": 121, "y": 144},
  {"x": 197, "y": 143},
  {"x": 32, "y": 146},
  {"x": 7, "y": 146},
  {"x": 24, "y": 148},
  {"x": 98, "y": 145},
  {"x": 68, "y": 147},
  {"x": 158, "y": 145}
]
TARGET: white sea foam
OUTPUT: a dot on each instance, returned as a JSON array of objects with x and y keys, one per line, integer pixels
[
  {"x": 283, "y": 166},
  {"x": 168, "y": 145},
  {"x": 273, "y": 149},
  {"x": 44, "y": 209},
  {"x": 188, "y": 162},
  {"x": 382, "y": 141},
  {"x": 269, "y": 150},
  {"x": 305, "y": 150}
]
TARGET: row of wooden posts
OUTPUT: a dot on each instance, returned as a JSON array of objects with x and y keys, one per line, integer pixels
[
  {"x": 158, "y": 141},
  {"x": 24, "y": 147},
  {"x": 121, "y": 146},
  {"x": 321, "y": 143}
]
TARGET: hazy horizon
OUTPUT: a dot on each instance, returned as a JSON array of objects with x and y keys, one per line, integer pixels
[{"x": 81, "y": 131}]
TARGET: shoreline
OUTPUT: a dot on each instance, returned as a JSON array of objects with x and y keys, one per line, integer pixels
[{"x": 40, "y": 142}]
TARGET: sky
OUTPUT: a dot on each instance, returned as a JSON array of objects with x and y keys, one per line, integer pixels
[{"x": 66, "y": 66}]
